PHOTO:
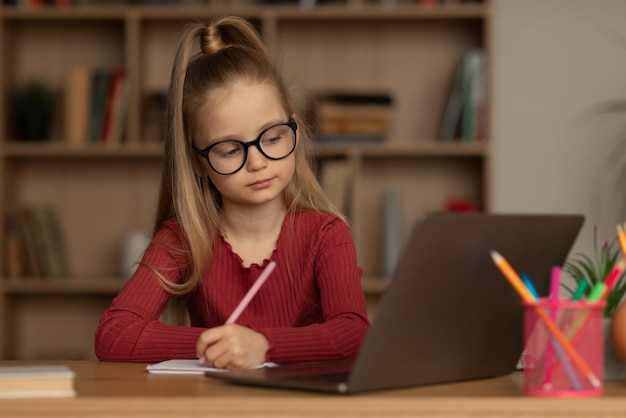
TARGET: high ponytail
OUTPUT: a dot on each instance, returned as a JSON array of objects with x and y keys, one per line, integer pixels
[{"x": 231, "y": 31}]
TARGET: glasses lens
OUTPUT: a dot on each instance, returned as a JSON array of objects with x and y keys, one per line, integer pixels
[
  {"x": 278, "y": 142},
  {"x": 226, "y": 157}
]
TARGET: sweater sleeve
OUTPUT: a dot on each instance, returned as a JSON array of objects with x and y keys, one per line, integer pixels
[
  {"x": 130, "y": 330},
  {"x": 344, "y": 312}
]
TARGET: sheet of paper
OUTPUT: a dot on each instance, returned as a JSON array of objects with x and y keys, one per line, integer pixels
[{"x": 190, "y": 367}]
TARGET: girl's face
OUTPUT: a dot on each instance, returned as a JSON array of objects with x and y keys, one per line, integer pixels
[{"x": 243, "y": 113}]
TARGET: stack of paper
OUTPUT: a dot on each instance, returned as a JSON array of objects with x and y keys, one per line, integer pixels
[{"x": 36, "y": 381}]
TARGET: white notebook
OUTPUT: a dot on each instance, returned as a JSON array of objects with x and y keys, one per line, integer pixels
[{"x": 190, "y": 367}]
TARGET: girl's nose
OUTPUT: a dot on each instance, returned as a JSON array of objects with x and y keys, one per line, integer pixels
[{"x": 255, "y": 161}]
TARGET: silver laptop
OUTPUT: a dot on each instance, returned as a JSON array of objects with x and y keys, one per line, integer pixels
[{"x": 448, "y": 314}]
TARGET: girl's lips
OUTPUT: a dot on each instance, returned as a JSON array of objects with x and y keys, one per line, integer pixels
[{"x": 261, "y": 184}]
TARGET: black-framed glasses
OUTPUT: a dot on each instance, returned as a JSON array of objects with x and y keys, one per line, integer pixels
[{"x": 229, "y": 156}]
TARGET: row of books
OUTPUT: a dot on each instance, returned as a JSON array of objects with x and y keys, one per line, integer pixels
[
  {"x": 34, "y": 244},
  {"x": 95, "y": 105},
  {"x": 352, "y": 117},
  {"x": 465, "y": 112}
]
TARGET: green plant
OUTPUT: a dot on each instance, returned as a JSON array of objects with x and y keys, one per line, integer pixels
[
  {"x": 597, "y": 269},
  {"x": 33, "y": 106}
]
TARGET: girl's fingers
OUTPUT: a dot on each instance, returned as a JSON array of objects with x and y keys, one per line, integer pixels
[
  {"x": 215, "y": 354},
  {"x": 222, "y": 361},
  {"x": 231, "y": 346},
  {"x": 206, "y": 339}
]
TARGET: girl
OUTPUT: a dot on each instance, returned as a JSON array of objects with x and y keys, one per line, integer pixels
[{"x": 238, "y": 192}]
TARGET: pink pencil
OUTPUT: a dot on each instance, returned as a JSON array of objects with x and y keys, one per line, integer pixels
[
  {"x": 253, "y": 290},
  {"x": 555, "y": 282}
]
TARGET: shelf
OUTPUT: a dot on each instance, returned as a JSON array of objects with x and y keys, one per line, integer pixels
[
  {"x": 423, "y": 149},
  {"x": 23, "y": 150},
  {"x": 15, "y": 150},
  {"x": 378, "y": 12},
  {"x": 25, "y": 286},
  {"x": 283, "y": 12}
]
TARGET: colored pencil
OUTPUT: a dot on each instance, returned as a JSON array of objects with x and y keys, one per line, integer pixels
[
  {"x": 621, "y": 237},
  {"x": 555, "y": 283},
  {"x": 510, "y": 274},
  {"x": 251, "y": 293}
]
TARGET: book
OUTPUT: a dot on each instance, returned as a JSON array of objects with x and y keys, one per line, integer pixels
[
  {"x": 475, "y": 95},
  {"x": 110, "y": 132},
  {"x": 392, "y": 231},
  {"x": 100, "y": 79},
  {"x": 336, "y": 180},
  {"x": 190, "y": 366},
  {"x": 465, "y": 112},
  {"x": 352, "y": 117},
  {"x": 480, "y": 98},
  {"x": 36, "y": 381},
  {"x": 41, "y": 244},
  {"x": 357, "y": 98},
  {"x": 13, "y": 264},
  {"x": 117, "y": 122},
  {"x": 334, "y": 119},
  {"x": 452, "y": 113},
  {"x": 76, "y": 105},
  {"x": 49, "y": 243},
  {"x": 343, "y": 139},
  {"x": 28, "y": 243}
]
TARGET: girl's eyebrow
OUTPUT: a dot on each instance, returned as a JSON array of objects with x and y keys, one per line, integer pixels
[{"x": 240, "y": 138}]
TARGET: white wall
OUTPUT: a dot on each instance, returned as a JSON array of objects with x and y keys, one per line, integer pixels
[{"x": 553, "y": 62}]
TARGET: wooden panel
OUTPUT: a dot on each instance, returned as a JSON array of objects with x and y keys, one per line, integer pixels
[
  {"x": 424, "y": 185},
  {"x": 98, "y": 202},
  {"x": 159, "y": 40},
  {"x": 56, "y": 327},
  {"x": 157, "y": 48},
  {"x": 36, "y": 52}
]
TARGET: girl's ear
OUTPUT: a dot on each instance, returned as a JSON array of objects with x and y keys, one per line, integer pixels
[{"x": 199, "y": 165}]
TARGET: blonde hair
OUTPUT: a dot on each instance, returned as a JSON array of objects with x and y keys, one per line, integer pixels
[{"x": 231, "y": 51}]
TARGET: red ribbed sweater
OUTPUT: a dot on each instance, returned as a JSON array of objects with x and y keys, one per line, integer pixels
[{"x": 318, "y": 314}]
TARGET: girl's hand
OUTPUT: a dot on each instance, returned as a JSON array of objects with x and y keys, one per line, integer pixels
[{"x": 232, "y": 347}]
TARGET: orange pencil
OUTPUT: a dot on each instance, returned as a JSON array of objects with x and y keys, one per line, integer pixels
[
  {"x": 513, "y": 278},
  {"x": 621, "y": 237}
]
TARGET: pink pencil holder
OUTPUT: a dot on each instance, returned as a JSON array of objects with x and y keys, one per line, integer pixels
[{"x": 570, "y": 364}]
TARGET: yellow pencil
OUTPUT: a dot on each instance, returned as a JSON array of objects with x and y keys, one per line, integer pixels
[{"x": 513, "y": 278}]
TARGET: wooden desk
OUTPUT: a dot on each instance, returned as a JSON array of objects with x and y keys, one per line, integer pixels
[{"x": 127, "y": 390}]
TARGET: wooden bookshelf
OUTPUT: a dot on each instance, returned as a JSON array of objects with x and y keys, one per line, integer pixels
[{"x": 100, "y": 193}]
